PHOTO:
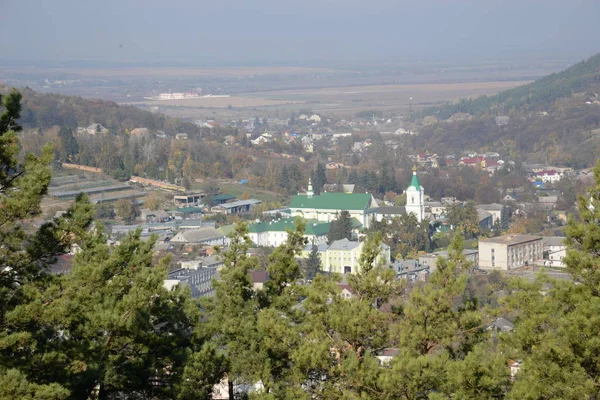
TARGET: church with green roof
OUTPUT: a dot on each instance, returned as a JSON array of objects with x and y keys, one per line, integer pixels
[
  {"x": 326, "y": 206},
  {"x": 362, "y": 206}
]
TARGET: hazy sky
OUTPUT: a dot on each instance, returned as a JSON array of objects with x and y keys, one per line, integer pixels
[{"x": 263, "y": 31}]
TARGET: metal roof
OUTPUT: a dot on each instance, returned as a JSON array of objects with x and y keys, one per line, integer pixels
[
  {"x": 197, "y": 235},
  {"x": 333, "y": 201},
  {"x": 240, "y": 203},
  {"x": 313, "y": 227},
  {"x": 343, "y": 244},
  {"x": 93, "y": 190},
  {"x": 512, "y": 239}
]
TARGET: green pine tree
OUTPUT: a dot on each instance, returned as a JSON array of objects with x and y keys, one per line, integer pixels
[
  {"x": 556, "y": 334},
  {"x": 25, "y": 256},
  {"x": 256, "y": 329},
  {"x": 319, "y": 179},
  {"x": 69, "y": 148},
  {"x": 313, "y": 262},
  {"x": 231, "y": 314},
  {"x": 340, "y": 227},
  {"x": 353, "y": 177},
  {"x": 109, "y": 328}
]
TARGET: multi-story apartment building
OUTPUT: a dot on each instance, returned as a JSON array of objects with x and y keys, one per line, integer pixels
[{"x": 510, "y": 252}]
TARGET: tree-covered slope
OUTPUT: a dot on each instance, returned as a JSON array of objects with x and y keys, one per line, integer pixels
[
  {"x": 44, "y": 111},
  {"x": 536, "y": 96},
  {"x": 553, "y": 120}
]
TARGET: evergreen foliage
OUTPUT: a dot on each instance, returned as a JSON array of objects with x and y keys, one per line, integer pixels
[
  {"x": 404, "y": 234},
  {"x": 340, "y": 228},
  {"x": 68, "y": 146},
  {"x": 353, "y": 177},
  {"x": 464, "y": 218},
  {"x": 109, "y": 329},
  {"x": 319, "y": 179},
  {"x": 313, "y": 262}
]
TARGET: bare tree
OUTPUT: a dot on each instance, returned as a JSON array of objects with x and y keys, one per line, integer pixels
[{"x": 148, "y": 150}]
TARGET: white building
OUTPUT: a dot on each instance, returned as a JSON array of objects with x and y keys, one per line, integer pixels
[
  {"x": 274, "y": 233},
  {"x": 436, "y": 209},
  {"x": 343, "y": 257},
  {"x": 203, "y": 236},
  {"x": 555, "y": 250},
  {"x": 430, "y": 260},
  {"x": 510, "y": 252},
  {"x": 549, "y": 176},
  {"x": 415, "y": 197},
  {"x": 93, "y": 129},
  {"x": 495, "y": 209}
]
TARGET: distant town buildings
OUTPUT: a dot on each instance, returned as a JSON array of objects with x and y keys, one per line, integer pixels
[
  {"x": 93, "y": 129},
  {"x": 549, "y": 176},
  {"x": 176, "y": 96}
]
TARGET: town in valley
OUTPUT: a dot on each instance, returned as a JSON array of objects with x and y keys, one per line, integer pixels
[{"x": 324, "y": 201}]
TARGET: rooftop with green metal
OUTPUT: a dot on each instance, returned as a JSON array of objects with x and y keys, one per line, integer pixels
[
  {"x": 414, "y": 182},
  {"x": 333, "y": 201}
]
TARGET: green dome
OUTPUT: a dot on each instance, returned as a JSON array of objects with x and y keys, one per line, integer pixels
[{"x": 414, "y": 182}]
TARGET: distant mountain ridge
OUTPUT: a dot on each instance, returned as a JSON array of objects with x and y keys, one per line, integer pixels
[{"x": 536, "y": 96}]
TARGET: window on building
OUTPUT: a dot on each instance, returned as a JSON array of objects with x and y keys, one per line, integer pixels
[{"x": 413, "y": 199}]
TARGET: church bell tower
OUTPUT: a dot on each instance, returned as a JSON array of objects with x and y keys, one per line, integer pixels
[{"x": 415, "y": 197}]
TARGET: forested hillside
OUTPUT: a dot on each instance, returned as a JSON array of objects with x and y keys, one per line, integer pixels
[
  {"x": 536, "y": 96},
  {"x": 552, "y": 120},
  {"x": 43, "y": 111}
]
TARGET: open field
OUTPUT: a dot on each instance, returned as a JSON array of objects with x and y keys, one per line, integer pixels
[
  {"x": 389, "y": 95},
  {"x": 341, "y": 101},
  {"x": 419, "y": 92},
  {"x": 216, "y": 102}
]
